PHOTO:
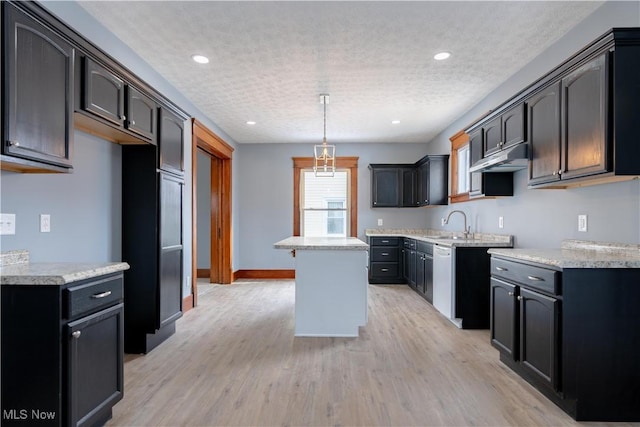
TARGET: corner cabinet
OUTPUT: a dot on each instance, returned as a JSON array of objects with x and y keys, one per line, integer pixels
[
  {"x": 152, "y": 238},
  {"x": 385, "y": 186},
  {"x": 38, "y": 84},
  {"x": 62, "y": 358}
]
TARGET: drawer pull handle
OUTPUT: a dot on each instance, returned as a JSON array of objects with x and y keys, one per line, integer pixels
[
  {"x": 76, "y": 334},
  {"x": 535, "y": 279},
  {"x": 511, "y": 294},
  {"x": 519, "y": 298},
  {"x": 101, "y": 295},
  {"x": 385, "y": 253},
  {"x": 502, "y": 269},
  {"x": 384, "y": 269},
  {"x": 385, "y": 241}
]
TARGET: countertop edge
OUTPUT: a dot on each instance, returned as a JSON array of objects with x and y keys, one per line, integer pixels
[{"x": 25, "y": 274}]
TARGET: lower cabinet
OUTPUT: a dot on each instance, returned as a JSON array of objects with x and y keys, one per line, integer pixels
[
  {"x": 572, "y": 334},
  {"x": 65, "y": 367},
  {"x": 385, "y": 260},
  {"x": 424, "y": 270},
  {"x": 409, "y": 262}
]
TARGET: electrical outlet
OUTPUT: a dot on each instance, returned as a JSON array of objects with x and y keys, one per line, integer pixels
[
  {"x": 442, "y": 221},
  {"x": 500, "y": 222},
  {"x": 582, "y": 223},
  {"x": 45, "y": 223},
  {"x": 379, "y": 222},
  {"x": 7, "y": 224}
]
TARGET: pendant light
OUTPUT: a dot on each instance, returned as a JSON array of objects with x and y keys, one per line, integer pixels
[{"x": 324, "y": 154}]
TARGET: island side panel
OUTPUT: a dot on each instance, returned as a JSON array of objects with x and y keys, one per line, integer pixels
[{"x": 331, "y": 292}]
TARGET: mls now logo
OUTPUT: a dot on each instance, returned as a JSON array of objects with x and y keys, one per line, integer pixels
[{"x": 25, "y": 414}]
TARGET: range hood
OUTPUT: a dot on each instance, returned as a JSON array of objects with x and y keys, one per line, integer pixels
[{"x": 507, "y": 160}]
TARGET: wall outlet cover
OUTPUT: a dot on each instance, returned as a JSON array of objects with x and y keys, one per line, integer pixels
[
  {"x": 500, "y": 222},
  {"x": 582, "y": 223},
  {"x": 45, "y": 223},
  {"x": 7, "y": 224},
  {"x": 380, "y": 222}
]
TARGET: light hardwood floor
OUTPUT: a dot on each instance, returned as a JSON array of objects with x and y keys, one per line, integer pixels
[{"x": 234, "y": 361}]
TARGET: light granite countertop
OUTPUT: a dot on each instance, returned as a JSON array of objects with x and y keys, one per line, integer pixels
[
  {"x": 578, "y": 254},
  {"x": 443, "y": 238},
  {"x": 15, "y": 269},
  {"x": 322, "y": 243}
]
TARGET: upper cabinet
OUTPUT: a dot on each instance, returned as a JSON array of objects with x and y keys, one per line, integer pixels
[
  {"x": 423, "y": 183},
  {"x": 171, "y": 143},
  {"x": 504, "y": 131},
  {"x": 112, "y": 107},
  {"x": 37, "y": 95}
]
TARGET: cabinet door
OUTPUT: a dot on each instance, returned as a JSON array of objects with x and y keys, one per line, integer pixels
[
  {"x": 539, "y": 336},
  {"x": 544, "y": 135},
  {"x": 385, "y": 188},
  {"x": 412, "y": 267},
  {"x": 171, "y": 142},
  {"x": 420, "y": 272},
  {"x": 503, "y": 318},
  {"x": 38, "y": 86},
  {"x": 584, "y": 121},
  {"x": 103, "y": 93},
  {"x": 409, "y": 190},
  {"x": 492, "y": 136},
  {"x": 170, "y": 275},
  {"x": 475, "y": 147},
  {"x": 513, "y": 128},
  {"x": 423, "y": 184},
  {"x": 428, "y": 277},
  {"x": 95, "y": 363},
  {"x": 142, "y": 114}
]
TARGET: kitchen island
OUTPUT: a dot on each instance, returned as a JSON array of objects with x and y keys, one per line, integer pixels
[{"x": 331, "y": 285}]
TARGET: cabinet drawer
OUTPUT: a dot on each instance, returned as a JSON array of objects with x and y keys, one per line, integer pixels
[
  {"x": 409, "y": 243},
  {"x": 384, "y": 254},
  {"x": 89, "y": 297},
  {"x": 384, "y": 241},
  {"x": 384, "y": 269},
  {"x": 424, "y": 247},
  {"x": 529, "y": 276}
]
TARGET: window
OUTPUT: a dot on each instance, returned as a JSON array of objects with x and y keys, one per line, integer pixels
[
  {"x": 460, "y": 158},
  {"x": 319, "y": 208},
  {"x": 324, "y": 204}
]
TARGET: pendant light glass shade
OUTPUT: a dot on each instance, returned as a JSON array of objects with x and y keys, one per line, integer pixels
[{"x": 324, "y": 154}]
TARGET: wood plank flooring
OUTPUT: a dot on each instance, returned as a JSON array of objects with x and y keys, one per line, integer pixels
[{"x": 235, "y": 362}]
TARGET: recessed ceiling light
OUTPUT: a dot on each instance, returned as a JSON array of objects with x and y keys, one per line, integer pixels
[
  {"x": 200, "y": 59},
  {"x": 251, "y": 123},
  {"x": 441, "y": 55},
  {"x": 395, "y": 122}
]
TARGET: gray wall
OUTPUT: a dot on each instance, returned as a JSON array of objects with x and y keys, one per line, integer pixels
[
  {"x": 543, "y": 218},
  {"x": 85, "y": 206},
  {"x": 203, "y": 217},
  {"x": 266, "y": 196}
]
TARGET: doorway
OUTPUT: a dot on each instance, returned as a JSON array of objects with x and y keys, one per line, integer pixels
[{"x": 212, "y": 225}]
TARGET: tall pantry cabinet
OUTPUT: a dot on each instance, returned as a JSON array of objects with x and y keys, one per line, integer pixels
[{"x": 152, "y": 240}]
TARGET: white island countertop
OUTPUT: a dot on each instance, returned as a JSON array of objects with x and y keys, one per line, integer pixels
[{"x": 322, "y": 243}]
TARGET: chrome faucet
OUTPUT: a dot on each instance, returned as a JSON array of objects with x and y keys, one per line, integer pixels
[{"x": 467, "y": 230}]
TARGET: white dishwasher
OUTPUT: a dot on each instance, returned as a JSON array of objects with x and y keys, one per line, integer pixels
[{"x": 444, "y": 293}]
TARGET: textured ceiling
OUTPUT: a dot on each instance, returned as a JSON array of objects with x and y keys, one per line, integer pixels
[{"x": 271, "y": 60}]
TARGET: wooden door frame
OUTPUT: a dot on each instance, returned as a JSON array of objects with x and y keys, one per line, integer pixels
[{"x": 213, "y": 145}]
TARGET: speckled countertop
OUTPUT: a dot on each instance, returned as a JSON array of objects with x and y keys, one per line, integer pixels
[
  {"x": 15, "y": 269},
  {"x": 579, "y": 254},
  {"x": 322, "y": 243},
  {"x": 443, "y": 238}
]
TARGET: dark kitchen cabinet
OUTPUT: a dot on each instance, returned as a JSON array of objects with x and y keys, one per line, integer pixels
[
  {"x": 142, "y": 114},
  {"x": 486, "y": 184},
  {"x": 65, "y": 363},
  {"x": 433, "y": 180},
  {"x": 504, "y": 130},
  {"x": 171, "y": 143},
  {"x": 504, "y": 318},
  {"x": 409, "y": 262},
  {"x": 424, "y": 270},
  {"x": 103, "y": 92},
  {"x": 385, "y": 260},
  {"x": 544, "y": 135},
  {"x": 409, "y": 190},
  {"x": 37, "y": 96},
  {"x": 385, "y": 186},
  {"x": 152, "y": 244}
]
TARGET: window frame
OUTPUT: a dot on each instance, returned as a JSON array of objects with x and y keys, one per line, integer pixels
[
  {"x": 458, "y": 141},
  {"x": 351, "y": 163}
]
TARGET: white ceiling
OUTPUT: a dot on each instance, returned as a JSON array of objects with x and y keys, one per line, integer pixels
[{"x": 270, "y": 60}]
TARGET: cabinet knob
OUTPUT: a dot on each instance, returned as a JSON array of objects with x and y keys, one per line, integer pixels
[
  {"x": 13, "y": 143},
  {"x": 132, "y": 122},
  {"x": 375, "y": 203},
  {"x": 560, "y": 172},
  {"x": 123, "y": 117},
  {"x": 519, "y": 297},
  {"x": 76, "y": 334},
  {"x": 510, "y": 294},
  {"x": 554, "y": 173}
]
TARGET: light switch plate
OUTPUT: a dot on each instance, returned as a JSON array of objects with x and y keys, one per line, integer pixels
[
  {"x": 45, "y": 223},
  {"x": 379, "y": 222},
  {"x": 500, "y": 222},
  {"x": 582, "y": 223},
  {"x": 7, "y": 224}
]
